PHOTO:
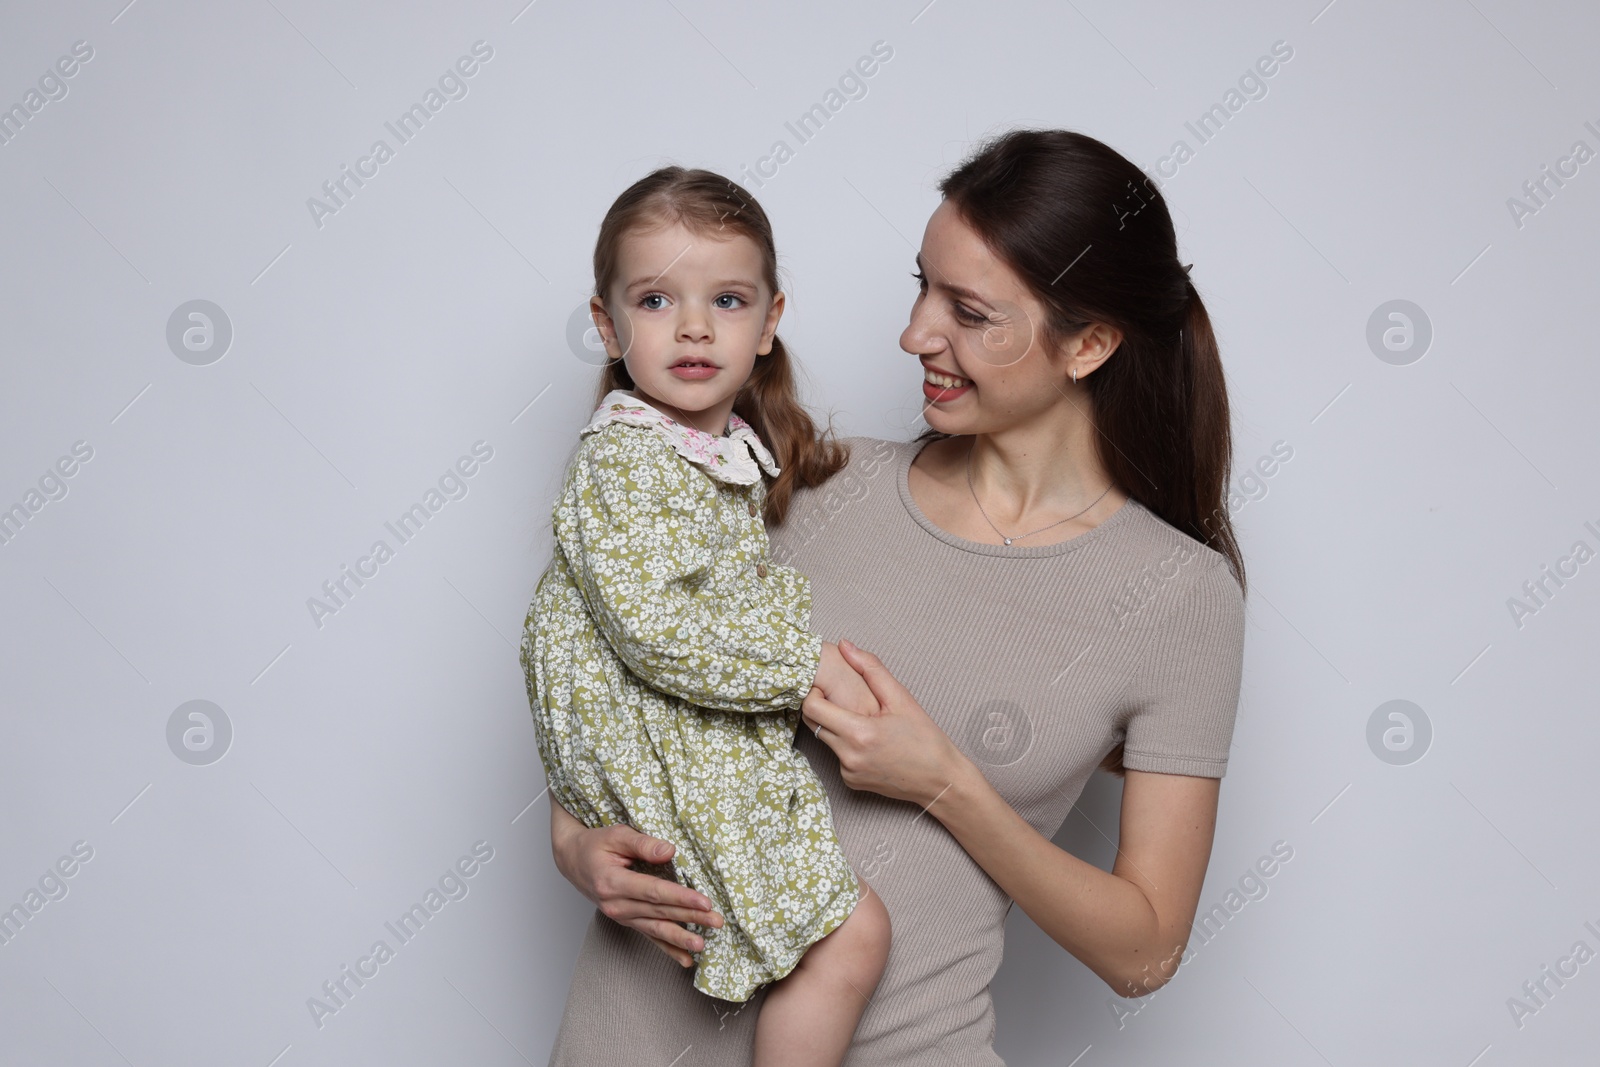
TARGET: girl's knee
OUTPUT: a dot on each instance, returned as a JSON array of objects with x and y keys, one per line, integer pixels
[{"x": 876, "y": 930}]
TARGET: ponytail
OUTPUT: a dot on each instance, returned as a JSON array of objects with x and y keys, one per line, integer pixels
[
  {"x": 768, "y": 402},
  {"x": 1180, "y": 474},
  {"x": 1160, "y": 402}
]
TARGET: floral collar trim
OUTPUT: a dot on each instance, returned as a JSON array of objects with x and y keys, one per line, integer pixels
[{"x": 731, "y": 458}]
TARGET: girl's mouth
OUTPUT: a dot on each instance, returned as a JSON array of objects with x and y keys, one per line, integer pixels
[
  {"x": 940, "y": 387},
  {"x": 693, "y": 369}
]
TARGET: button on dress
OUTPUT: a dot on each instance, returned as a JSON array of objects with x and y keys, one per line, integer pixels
[{"x": 666, "y": 658}]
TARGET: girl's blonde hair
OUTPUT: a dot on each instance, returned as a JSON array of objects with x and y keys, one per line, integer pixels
[{"x": 709, "y": 204}]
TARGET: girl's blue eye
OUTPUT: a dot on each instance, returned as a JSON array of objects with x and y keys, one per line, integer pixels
[
  {"x": 727, "y": 296},
  {"x": 645, "y": 301}
]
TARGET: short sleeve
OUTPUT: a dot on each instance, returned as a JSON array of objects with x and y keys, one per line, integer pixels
[
  {"x": 638, "y": 527},
  {"x": 1181, "y": 705}
]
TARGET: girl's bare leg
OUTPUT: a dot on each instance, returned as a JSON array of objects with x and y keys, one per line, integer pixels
[{"x": 809, "y": 1016}]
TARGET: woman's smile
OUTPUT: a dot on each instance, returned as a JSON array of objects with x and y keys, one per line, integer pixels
[
  {"x": 1053, "y": 461},
  {"x": 940, "y": 387}
]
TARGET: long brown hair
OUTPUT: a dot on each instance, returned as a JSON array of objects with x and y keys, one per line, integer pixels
[
  {"x": 1041, "y": 199},
  {"x": 709, "y": 204}
]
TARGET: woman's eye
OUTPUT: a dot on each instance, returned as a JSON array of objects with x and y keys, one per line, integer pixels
[
  {"x": 922, "y": 279},
  {"x": 652, "y": 301},
  {"x": 966, "y": 314},
  {"x": 733, "y": 301}
]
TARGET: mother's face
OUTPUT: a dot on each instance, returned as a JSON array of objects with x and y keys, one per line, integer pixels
[{"x": 978, "y": 332}]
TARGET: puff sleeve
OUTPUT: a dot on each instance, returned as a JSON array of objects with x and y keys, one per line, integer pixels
[{"x": 641, "y": 529}]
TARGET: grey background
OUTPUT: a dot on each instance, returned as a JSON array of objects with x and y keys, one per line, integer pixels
[{"x": 429, "y": 313}]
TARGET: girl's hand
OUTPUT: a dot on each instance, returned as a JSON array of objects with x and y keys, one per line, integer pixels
[
  {"x": 841, "y": 684},
  {"x": 899, "y": 752},
  {"x": 598, "y": 863}
]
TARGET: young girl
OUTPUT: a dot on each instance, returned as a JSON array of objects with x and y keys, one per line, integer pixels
[{"x": 666, "y": 655}]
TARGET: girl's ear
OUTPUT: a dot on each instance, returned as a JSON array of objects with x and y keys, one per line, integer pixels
[
  {"x": 608, "y": 328},
  {"x": 770, "y": 330}
]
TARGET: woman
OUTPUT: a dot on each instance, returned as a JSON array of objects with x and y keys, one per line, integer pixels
[{"x": 1053, "y": 573}]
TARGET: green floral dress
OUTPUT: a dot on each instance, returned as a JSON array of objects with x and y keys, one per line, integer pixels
[{"x": 666, "y": 658}]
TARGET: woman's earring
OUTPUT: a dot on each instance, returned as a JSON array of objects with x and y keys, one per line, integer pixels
[{"x": 1074, "y": 375}]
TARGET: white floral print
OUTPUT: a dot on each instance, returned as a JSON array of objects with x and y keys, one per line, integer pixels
[
  {"x": 666, "y": 657},
  {"x": 727, "y": 458}
]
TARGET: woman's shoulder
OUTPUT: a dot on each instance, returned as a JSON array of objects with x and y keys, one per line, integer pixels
[
  {"x": 1165, "y": 564},
  {"x": 867, "y": 454},
  {"x": 870, "y": 459},
  {"x": 1145, "y": 529},
  {"x": 853, "y": 502}
]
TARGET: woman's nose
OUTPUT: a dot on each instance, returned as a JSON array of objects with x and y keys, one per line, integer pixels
[{"x": 918, "y": 338}]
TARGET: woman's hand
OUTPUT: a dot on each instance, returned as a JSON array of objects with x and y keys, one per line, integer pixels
[
  {"x": 842, "y": 685},
  {"x": 899, "y": 752},
  {"x": 599, "y": 864}
]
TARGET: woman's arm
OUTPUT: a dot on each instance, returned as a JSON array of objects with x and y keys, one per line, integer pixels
[
  {"x": 598, "y": 863},
  {"x": 1128, "y": 925}
]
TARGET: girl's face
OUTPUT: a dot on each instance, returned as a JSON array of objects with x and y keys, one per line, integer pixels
[
  {"x": 978, "y": 332},
  {"x": 689, "y": 314}
]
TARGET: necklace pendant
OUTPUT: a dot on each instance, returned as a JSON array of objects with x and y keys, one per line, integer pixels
[{"x": 1007, "y": 540}]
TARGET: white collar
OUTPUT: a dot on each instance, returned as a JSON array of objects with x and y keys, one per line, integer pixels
[{"x": 731, "y": 458}]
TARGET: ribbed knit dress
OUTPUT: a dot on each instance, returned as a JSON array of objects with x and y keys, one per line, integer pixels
[{"x": 1035, "y": 661}]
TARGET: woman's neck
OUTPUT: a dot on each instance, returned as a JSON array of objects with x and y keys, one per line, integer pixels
[
  {"x": 1037, "y": 485},
  {"x": 1051, "y": 467}
]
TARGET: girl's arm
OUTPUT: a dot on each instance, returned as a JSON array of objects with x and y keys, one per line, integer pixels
[
  {"x": 1128, "y": 925},
  {"x": 637, "y": 528}
]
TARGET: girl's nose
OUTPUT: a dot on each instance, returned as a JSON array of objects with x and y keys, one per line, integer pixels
[{"x": 694, "y": 325}]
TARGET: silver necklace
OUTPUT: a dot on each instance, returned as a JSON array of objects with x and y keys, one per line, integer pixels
[{"x": 990, "y": 521}]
